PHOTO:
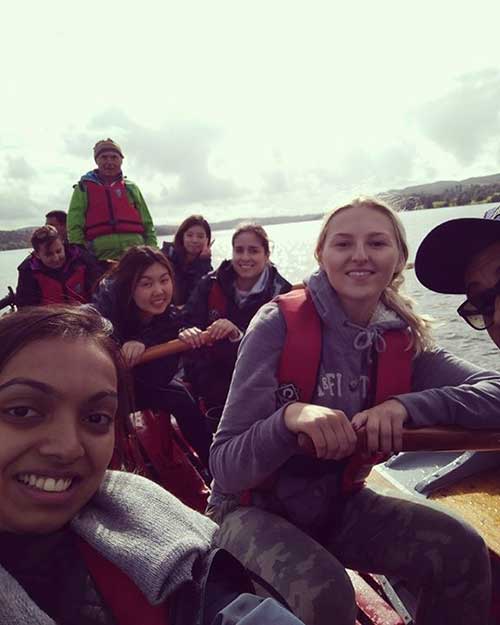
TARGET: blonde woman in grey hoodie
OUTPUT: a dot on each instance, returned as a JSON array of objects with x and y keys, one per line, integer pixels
[{"x": 298, "y": 527}]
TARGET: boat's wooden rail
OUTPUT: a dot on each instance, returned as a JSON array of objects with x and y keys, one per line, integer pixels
[{"x": 475, "y": 498}]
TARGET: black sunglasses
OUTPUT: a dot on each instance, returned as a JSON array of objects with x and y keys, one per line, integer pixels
[{"x": 479, "y": 309}]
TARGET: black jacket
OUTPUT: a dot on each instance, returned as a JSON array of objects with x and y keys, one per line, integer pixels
[
  {"x": 187, "y": 275},
  {"x": 196, "y": 312},
  {"x": 209, "y": 370},
  {"x": 129, "y": 327}
]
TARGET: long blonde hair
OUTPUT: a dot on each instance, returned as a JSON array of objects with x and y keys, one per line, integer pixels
[{"x": 392, "y": 297}]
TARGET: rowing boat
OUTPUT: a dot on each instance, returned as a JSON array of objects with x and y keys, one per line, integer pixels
[{"x": 466, "y": 484}]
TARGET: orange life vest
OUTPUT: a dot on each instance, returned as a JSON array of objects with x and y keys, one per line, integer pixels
[
  {"x": 299, "y": 365},
  {"x": 72, "y": 289},
  {"x": 298, "y": 371},
  {"x": 217, "y": 302},
  {"x": 123, "y": 598},
  {"x": 110, "y": 211}
]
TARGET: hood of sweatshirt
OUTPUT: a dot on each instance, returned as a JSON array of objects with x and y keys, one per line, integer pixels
[{"x": 329, "y": 308}]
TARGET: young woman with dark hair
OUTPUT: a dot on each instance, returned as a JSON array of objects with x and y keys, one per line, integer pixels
[
  {"x": 78, "y": 543},
  {"x": 136, "y": 297},
  {"x": 224, "y": 303},
  {"x": 190, "y": 256}
]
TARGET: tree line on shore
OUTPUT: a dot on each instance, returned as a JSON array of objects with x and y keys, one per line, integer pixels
[
  {"x": 478, "y": 190},
  {"x": 20, "y": 238},
  {"x": 459, "y": 195}
]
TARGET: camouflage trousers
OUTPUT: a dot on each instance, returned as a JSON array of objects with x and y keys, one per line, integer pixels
[{"x": 437, "y": 554}]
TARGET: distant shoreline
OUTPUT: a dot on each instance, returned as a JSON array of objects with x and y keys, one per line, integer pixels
[
  {"x": 440, "y": 194},
  {"x": 20, "y": 239}
]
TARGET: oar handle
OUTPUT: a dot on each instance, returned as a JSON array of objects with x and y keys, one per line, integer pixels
[
  {"x": 171, "y": 347},
  {"x": 427, "y": 439},
  {"x": 9, "y": 299}
]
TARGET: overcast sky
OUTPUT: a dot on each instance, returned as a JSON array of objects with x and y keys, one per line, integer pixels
[{"x": 239, "y": 109}]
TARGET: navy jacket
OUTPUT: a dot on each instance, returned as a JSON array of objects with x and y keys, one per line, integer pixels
[
  {"x": 129, "y": 327},
  {"x": 209, "y": 370},
  {"x": 187, "y": 275}
]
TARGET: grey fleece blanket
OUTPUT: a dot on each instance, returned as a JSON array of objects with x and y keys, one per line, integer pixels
[{"x": 138, "y": 526}]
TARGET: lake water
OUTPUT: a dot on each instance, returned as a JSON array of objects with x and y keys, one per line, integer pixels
[{"x": 293, "y": 247}]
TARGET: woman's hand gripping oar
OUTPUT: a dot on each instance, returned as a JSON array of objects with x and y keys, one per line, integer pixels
[
  {"x": 171, "y": 347},
  {"x": 427, "y": 439}
]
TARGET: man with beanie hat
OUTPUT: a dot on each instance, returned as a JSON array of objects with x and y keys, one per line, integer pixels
[
  {"x": 107, "y": 212},
  {"x": 463, "y": 256},
  {"x": 107, "y": 144}
]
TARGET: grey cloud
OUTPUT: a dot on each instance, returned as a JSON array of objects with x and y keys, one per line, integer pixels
[
  {"x": 80, "y": 144},
  {"x": 112, "y": 123},
  {"x": 364, "y": 173},
  {"x": 177, "y": 157},
  {"x": 276, "y": 182},
  {"x": 466, "y": 121},
  {"x": 396, "y": 164},
  {"x": 111, "y": 119},
  {"x": 179, "y": 152},
  {"x": 18, "y": 208},
  {"x": 18, "y": 168}
]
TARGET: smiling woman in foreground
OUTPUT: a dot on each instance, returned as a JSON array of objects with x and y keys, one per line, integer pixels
[{"x": 80, "y": 544}]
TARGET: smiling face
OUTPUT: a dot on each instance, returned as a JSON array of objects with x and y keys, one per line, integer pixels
[
  {"x": 249, "y": 259},
  {"x": 483, "y": 274},
  {"x": 52, "y": 255},
  {"x": 360, "y": 255},
  {"x": 194, "y": 240},
  {"x": 153, "y": 291},
  {"x": 109, "y": 164},
  {"x": 58, "y": 400}
]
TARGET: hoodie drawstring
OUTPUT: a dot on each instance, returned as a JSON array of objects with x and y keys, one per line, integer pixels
[{"x": 370, "y": 337}]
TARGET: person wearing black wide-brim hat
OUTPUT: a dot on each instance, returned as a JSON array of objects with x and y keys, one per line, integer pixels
[{"x": 463, "y": 256}]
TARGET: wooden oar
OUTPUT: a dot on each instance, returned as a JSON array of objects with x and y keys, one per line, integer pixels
[
  {"x": 428, "y": 439},
  {"x": 171, "y": 347},
  {"x": 422, "y": 439}
]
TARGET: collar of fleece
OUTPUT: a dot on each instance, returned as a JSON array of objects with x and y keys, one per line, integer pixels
[{"x": 141, "y": 528}]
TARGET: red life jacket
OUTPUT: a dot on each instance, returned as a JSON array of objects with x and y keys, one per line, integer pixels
[
  {"x": 298, "y": 372},
  {"x": 151, "y": 446},
  {"x": 123, "y": 598},
  {"x": 217, "y": 302},
  {"x": 299, "y": 365},
  {"x": 110, "y": 211},
  {"x": 72, "y": 289}
]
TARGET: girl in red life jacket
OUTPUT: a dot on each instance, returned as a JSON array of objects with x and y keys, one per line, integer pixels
[
  {"x": 291, "y": 518},
  {"x": 136, "y": 297},
  {"x": 78, "y": 543},
  {"x": 55, "y": 272},
  {"x": 190, "y": 254},
  {"x": 224, "y": 303}
]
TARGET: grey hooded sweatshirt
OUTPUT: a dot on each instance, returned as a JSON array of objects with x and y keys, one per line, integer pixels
[{"x": 253, "y": 442}]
